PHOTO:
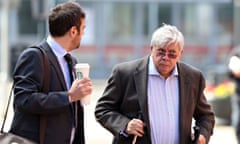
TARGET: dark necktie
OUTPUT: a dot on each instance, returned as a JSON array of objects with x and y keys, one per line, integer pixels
[
  {"x": 68, "y": 58},
  {"x": 69, "y": 61}
]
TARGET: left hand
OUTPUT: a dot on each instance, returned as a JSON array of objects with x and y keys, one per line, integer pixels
[
  {"x": 79, "y": 89},
  {"x": 201, "y": 139},
  {"x": 135, "y": 127}
]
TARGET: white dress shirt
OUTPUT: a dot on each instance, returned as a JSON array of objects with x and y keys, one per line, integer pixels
[
  {"x": 60, "y": 52},
  {"x": 163, "y": 103}
]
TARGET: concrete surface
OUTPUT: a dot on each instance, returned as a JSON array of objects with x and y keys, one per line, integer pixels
[{"x": 95, "y": 134}]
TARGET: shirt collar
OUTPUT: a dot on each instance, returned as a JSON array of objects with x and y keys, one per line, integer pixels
[
  {"x": 153, "y": 71},
  {"x": 56, "y": 47}
]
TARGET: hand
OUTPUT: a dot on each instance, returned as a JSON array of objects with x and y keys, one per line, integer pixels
[
  {"x": 135, "y": 127},
  {"x": 201, "y": 139},
  {"x": 236, "y": 73},
  {"x": 79, "y": 89}
]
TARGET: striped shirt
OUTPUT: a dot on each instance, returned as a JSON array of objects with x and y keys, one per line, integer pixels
[
  {"x": 163, "y": 103},
  {"x": 59, "y": 51}
]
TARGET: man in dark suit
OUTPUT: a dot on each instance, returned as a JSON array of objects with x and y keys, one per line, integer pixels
[
  {"x": 60, "y": 105},
  {"x": 234, "y": 75},
  {"x": 153, "y": 100}
]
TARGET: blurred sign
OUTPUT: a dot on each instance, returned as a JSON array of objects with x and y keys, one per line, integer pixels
[
  {"x": 39, "y": 9},
  {"x": 12, "y": 3},
  {"x": 89, "y": 32},
  {"x": 237, "y": 3},
  {"x": 168, "y": 1}
]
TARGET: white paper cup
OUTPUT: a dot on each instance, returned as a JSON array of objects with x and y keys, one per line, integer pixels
[
  {"x": 82, "y": 70},
  {"x": 234, "y": 64}
]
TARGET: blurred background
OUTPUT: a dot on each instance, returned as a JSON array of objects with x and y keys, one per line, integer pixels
[{"x": 120, "y": 30}]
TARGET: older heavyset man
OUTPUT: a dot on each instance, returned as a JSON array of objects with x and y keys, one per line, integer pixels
[{"x": 152, "y": 100}]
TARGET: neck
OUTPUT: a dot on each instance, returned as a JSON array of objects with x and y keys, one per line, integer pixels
[{"x": 64, "y": 42}]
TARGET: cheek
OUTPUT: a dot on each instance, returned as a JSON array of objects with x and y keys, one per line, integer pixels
[
  {"x": 172, "y": 63},
  {"x": 156, "y": 58}
]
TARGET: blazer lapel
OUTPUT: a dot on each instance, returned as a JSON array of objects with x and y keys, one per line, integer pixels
[
  {"x": 54, "y": 63},
  {"x": 184, "y": 87},
  {"x": 140, "y": 79},
  {"x": 141, "y": 82}
]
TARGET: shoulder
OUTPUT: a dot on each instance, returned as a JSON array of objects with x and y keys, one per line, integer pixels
[
  {"x": 29, "y": 60},
  {"x": 30, "y": 52},
  {"x": 30, "y": 56},
  {"x": 191, "y": 74},
  {"x": 187, "y": 67},
  {"x": 189, "y": 71},
  {"x": 132, "y": 65}
]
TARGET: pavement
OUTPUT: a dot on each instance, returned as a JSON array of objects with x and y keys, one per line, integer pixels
[{"x": 95, "y": 134}]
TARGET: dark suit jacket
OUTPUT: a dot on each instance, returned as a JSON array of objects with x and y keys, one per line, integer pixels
[
  {"x": 126, "y": 96},
  {"x": 30, "y": 102}
]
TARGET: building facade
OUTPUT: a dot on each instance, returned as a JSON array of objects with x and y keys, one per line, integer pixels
[{"x": 120, "y": 30}]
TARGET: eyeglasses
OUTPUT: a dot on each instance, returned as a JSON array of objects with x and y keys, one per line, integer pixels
[{"x": 171, "y": 55}]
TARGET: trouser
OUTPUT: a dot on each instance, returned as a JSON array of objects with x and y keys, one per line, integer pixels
[{"x": 235, "y": 116}]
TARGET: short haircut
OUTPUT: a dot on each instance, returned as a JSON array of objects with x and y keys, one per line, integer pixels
[
  {"x": 63, "y": 17},
  {"x": 167, "y": 34}
]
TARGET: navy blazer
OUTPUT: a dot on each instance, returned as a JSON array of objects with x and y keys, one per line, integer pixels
[
  {"x": 30, "y": 102},
  {"x": 126, "y": 96}
]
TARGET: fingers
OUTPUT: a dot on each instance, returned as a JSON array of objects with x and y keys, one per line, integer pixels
[
  {"x": 84, "y": 86},
  {"x": 79, "y": 89},
  {"x": 201, "y": 139},
  {"x": 135, "y": 127}
]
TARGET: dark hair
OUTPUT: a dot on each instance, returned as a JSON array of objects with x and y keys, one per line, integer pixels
[{"x": 63, "y": 17}]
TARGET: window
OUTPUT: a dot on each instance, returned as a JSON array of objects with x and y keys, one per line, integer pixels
[{"x": 27, "y": 25}]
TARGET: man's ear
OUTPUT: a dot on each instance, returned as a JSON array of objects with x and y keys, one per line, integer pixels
[
  {"x": 151, "y": 48},
  {"x": 181, "y": 52},
  {"x": 73, "y": 31}
]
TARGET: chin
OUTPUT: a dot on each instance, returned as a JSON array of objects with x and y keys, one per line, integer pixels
[{"x": 77, "y": 47}]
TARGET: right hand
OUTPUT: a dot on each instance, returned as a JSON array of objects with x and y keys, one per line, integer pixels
[
  {"x": 234, "y": 66},
  {"x": 135, "y": 127},
  {"x": 79, "y": 89},
  {"x": 236, "y": 74}
]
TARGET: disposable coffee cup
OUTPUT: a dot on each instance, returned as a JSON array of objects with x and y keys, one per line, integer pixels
[
  {"x": 82, "y": 70},
  {"x": 234, "y": 64}
]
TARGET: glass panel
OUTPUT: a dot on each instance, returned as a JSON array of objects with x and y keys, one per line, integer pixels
[
  {"x": 164, "y": 13},
  {"x": 27, "y": 25},
  {"x": 120, "y": 24},
  {"x": 121, "y": 30},
  {"x": 225, "y": 23}
]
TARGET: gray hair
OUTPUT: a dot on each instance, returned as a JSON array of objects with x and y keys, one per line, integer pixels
[{"x": 167, "y": 34}]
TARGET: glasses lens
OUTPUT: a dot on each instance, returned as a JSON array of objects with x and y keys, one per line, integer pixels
[{"x": 170, "y": 55}]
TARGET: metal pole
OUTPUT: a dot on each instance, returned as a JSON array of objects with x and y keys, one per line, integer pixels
[
  {"x": 236, "y": 23},
  {"x": 4, "y": 56},
  {"x": 138, "y": 30},
  {"x": 4, "y": 51}
]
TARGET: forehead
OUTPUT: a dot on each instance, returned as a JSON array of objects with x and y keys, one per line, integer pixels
[
  {"x": 83, "y": 23},
  {"x": 169, "y": 47}
]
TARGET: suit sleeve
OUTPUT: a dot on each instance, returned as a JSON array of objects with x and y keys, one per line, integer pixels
[
  {"x": 203, "y": 114},
  {"x": 28, "y": 81},
  {"x": 107, "y": 110}
]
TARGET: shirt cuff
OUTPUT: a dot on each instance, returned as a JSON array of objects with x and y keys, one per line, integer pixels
[{"x": 124, "y": 134}]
